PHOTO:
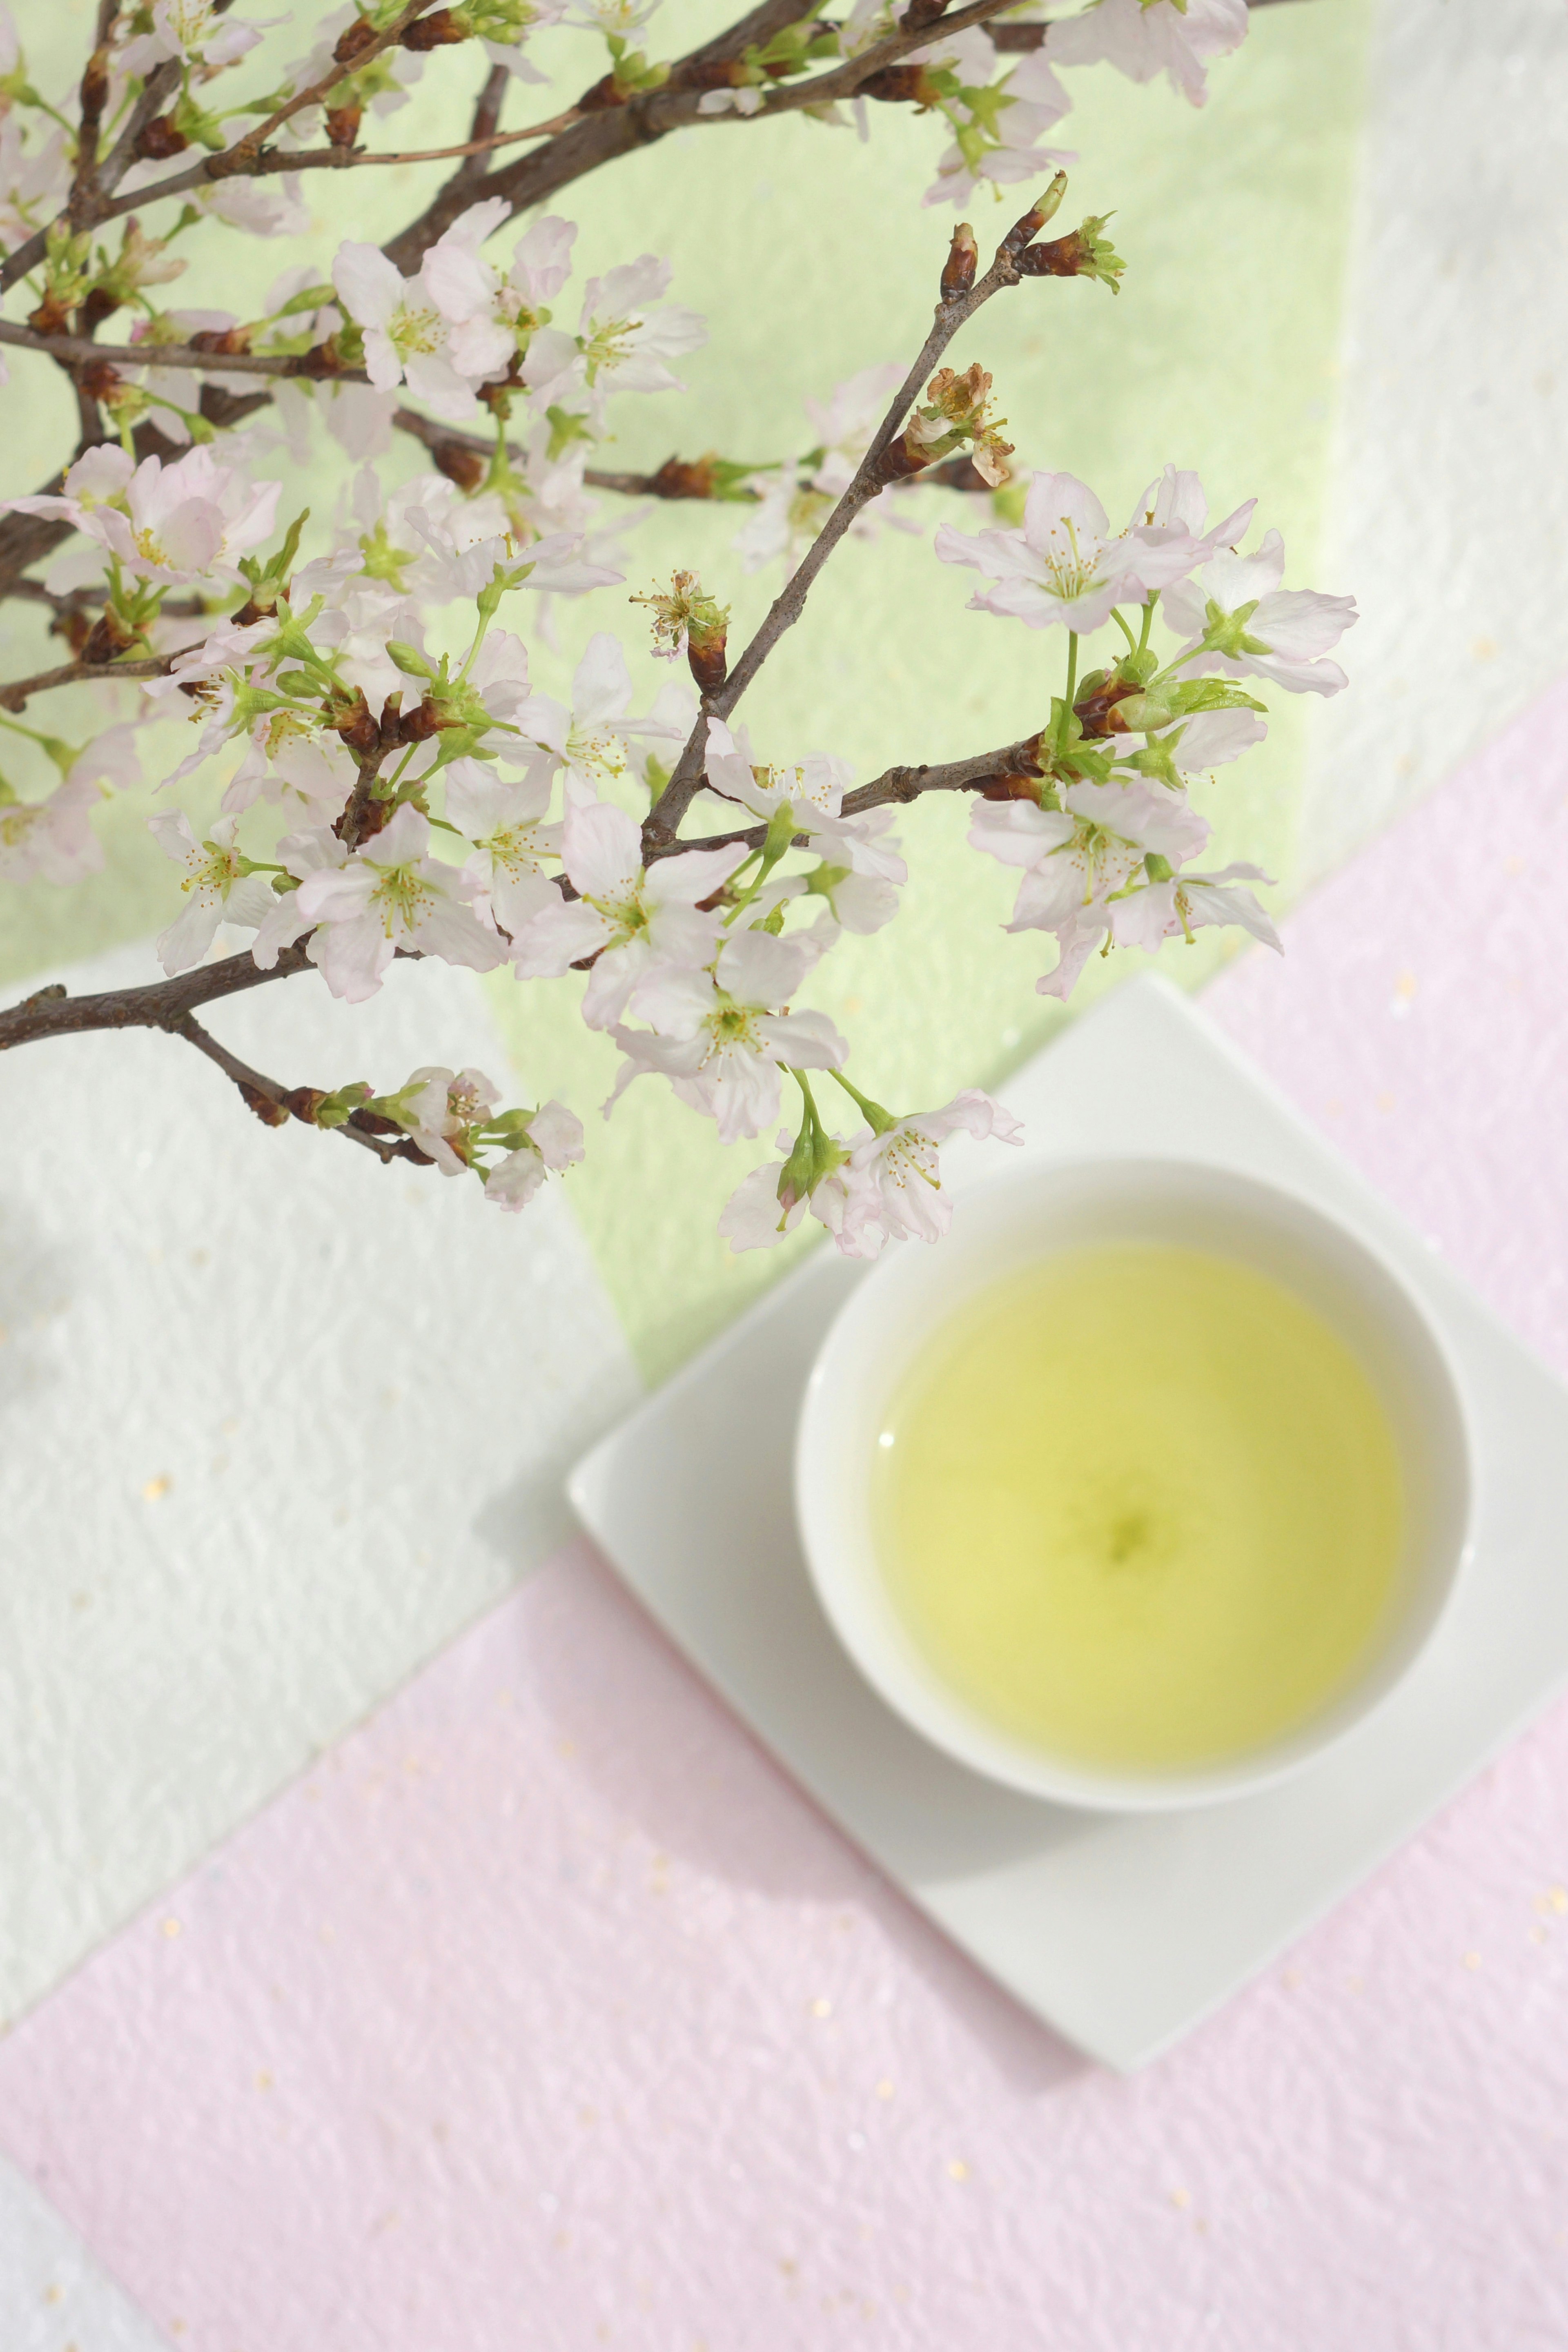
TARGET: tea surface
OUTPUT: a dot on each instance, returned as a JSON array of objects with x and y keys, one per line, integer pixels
[{"x": 1140, "y": 1505}]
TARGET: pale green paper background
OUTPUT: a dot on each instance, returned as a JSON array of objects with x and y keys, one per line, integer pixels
[{"x": 811, "y": 258}]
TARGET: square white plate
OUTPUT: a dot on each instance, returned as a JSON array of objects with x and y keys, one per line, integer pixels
[{"x": 1122, "y": 1931}]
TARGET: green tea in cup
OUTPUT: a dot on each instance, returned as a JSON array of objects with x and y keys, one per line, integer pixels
[{"x": 1139, "y": 1505}]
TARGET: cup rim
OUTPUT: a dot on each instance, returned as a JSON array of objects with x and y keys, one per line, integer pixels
[{"x": 938, "y": 1711}]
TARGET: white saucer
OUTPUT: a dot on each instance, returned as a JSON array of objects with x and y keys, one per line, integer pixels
[{"x": 1122, "y": 1931}]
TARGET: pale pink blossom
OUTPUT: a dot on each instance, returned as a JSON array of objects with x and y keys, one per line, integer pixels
[
  {"x": 1036, "y": 100},
  {"x": 634, "y": 923},
  {"x": 1175, "y": 908},
  {"x": 1144, "y": 37},
  {"x": 317, "y": 851},
  {"x": 1261, "y": 630},
  {"x": 554, "y": 1141},
  {"x": 765, "y": 1205},
  {"x": 894, "y": 1183},
  {"x": 813, "y": 791},
  {"x": 624, "y": 337},
  {"x": 491, "y": 317},
  {"x": 51, "y": 840},
  {"x": 438, "y": 1107},
  {"x": 593, "y": 742},
  {"x": 721, "y": 1037},
  {"x": 505, "y": 822},
  {"x": 405, "y": 336},
  {"x": 179, "y": 522},
  {"x": 218, "y": 885},
  {"x": 391, "y": 894},
  {"x": 1065, "y": 566},
  {"x": 1086, "y": 850}
]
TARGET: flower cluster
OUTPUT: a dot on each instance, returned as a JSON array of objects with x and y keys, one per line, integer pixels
[{"x": 365, "y": 701}]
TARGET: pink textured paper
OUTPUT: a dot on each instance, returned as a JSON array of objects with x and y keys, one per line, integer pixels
[{"x": 545, "y": 2014}]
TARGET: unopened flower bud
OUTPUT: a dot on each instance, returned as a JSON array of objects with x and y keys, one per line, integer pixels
[
  {"x": 358, "y": 36},
  {"x": 1039, "y": 212},
  {"x": 958, "y": 270}
]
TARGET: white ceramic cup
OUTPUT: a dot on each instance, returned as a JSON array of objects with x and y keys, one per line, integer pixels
[{"x": 1013, "y": 1222}]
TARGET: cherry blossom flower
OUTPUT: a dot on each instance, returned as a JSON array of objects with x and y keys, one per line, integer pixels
[
  {"x": 633, "y": 922},
  {"x": 895, "y": 1182},
  {"x": 171, "y": 523},
  {"x": 405, "y": 336},
  {"x": 490, "y": 317},
  {"x": 1065, "y": 567},
  {"x": 505, "y": 823},
  {"x": 391, "y": 894},
  {"x": 221, "y": 887},
  {"x": 1245, "y": 624},
  {"x": 623, "y": 339},
  {"x": 1032, "y": 99},
  {"x": 439, "y": 1108},
  {"x": 553, "y": 1141},
  {"x": 593, "y": 742},
  {"x": 1175, "y": 908},
  {"x": 1144, "y": 37},
  {"x": 51, "y": 840},
  {"x": 720, "y": 1036},
  {"x": 1084, "y": 852},
  {"x": 772, "y": 1201},
  {"x": 813, "y": 789},
  {"x": 193, "y": 31},
  {"x": 317, "y": 851}
]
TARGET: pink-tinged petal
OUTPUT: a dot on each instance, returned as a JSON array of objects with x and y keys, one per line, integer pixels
[
  {"x": 516, "y": 898},
  {"x": 602, "y": 848},
  {"x": 353, "y": 957},
  {"x": 753, "y": 1217},
  {"x": 1077, "y": 943},
  {"x": 368, "y": 286},
  {"x": 1056, "y": 502},
  {"x": 446, "y": 928},
  {"x": 1050, "y": 894},
  {"x": 743, "y": 1093},
  {"x": 806, "y": 1037},
  {"x": 556, "y": 939},
  {"x": 1017, "y": 832},
  {"x": 480, "y": 347},
  {"x": 460, "y": 285},
  {"x": 171, "y": 831},
  {"x": 602, "y": 684},
  {"x": 695, "y": 875},
  {"x": 610, "y": 983},
  {"x": 404, "y": 839},
  {"x": 1214, "y": 738},
  {"x": 191, "y": 933},
  {"x": 336, "y": 894},
  {"x": 1299, "y": 624},
  {"x": 674, "y": 1002},
  {"x": 192, "y": 536},
  {"x": 542, "y": 261},
  {"x": 1232, "y": 579},
  {"x": 556, "y": 1134},
  {"x": 758, "y": 969},
  {"x": 682, "y": 935}
]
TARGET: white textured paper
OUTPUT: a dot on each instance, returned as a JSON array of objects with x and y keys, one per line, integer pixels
[
  {"x": 275, "y": 1421},
  {"x": 1448, "y": 512},
  {"x": 53, "y": 2296}
]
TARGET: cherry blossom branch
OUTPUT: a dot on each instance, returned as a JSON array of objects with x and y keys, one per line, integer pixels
[
  {"x": 894, "y": 785},
  {"x": 663, "y": 821},
  {"x": 89, "y": 203},
  {"x": 642, "y": 120},
  {"x": 171, "y": 1005},
  {"x": 15, "y": 697},
  {"x": 80, "y": 350},
  {"x": 463, "y": 456}
]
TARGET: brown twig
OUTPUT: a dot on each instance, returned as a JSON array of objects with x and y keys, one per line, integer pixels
[
  {"x": 15, "y": 697},
  {"x": 663, "y": 821},
  {"x": 78, "y": 350},
  {"x": 171, "y": 1005}
]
